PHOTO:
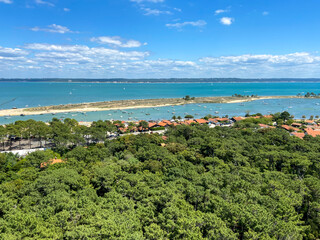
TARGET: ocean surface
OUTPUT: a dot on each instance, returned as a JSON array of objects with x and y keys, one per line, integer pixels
[{"x": 27, "y": 94}]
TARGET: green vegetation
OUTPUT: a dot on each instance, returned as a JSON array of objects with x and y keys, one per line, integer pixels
[
  {"x": 199, "y": 183},
  {"x": 188, "y": 98},
  {"x": 189, "y": 116},
  {"x": 310, "y": 95}
]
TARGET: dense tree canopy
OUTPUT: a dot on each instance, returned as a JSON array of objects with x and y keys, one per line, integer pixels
[{"x": 198, "y": 183}]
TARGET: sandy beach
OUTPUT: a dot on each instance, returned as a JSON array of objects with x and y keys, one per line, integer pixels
[{"x": 128, "y": 104}]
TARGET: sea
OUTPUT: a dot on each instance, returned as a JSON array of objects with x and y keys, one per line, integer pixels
[{"x": 32, "y": 94}]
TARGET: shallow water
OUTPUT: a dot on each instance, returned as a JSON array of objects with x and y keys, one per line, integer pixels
[{"x": 297, "y": 107}]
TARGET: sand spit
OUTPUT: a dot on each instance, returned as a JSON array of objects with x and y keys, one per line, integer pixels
[{"x": 129, "y": 104}]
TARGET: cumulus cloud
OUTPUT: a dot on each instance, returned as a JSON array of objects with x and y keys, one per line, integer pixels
[
  {"x": 12, "y": 52},
  {"x": 50, "y": 60},
  {"x": 41, "y": 2},
  {"x": 117, "y": 42},
  {"x": 156, "y": 12},
  {"x": 53, "y": 28},
  {"x": 199, "y": 23},
  {"x": 6, "y": 1},
  {"x": 226, "y": 21}
]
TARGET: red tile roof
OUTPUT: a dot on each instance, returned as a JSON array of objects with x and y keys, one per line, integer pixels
[{"x": 268, "y": 116}]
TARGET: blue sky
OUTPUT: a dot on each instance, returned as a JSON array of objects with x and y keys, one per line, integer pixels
[{"x": 159, "y": 38}]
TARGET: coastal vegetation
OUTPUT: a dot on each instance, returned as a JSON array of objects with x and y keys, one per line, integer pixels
[
  {"x": 188, "y": 98},
  {"x": 195, "y": 182}
]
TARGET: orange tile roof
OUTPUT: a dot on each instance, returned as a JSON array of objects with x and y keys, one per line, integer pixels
[
  {"x": 222, "y": 119},
  {"x": 312, "y": 132},
  {"x": 163, "y": 124},
  {"x": 188, "y": 122},
  {"x": 212, "y": 120},
  {"x": 201, "y": 121},
  {"x": 51, "y": 162},
  {"x": 309, "y": 121},
  {"x": 152, "y": 124},
  {"x": 298, "y": 134},
  {"x": 164, "y": 138},
  {"x": 288, "y": 128},
  {"x": 268, "y": 116},
  {"x": 238, "y": 118}
]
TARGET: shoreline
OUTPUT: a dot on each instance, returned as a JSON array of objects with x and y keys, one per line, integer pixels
[{"x": 129, "y": 104}]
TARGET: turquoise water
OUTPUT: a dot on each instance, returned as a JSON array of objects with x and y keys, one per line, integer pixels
[{"x": 34, "y": 94}]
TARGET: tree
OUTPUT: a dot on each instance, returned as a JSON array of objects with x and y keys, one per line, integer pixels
[
  {"x": 144, "y": 125},
  {"x": 189, "y": 116},
  {"x": 3, "y": 136}
]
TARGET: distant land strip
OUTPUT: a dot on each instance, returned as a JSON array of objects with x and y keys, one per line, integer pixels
[
  {"x": 130, "y": 104},
  {"x": 160, "y": 80}
]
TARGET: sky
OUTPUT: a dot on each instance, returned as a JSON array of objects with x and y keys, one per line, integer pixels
[{"x": 159, "y": 38}]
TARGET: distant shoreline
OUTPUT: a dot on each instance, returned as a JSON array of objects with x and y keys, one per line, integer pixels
[
  {"x": 129, "y": 104},
  {"x": 162, "y": 80}
]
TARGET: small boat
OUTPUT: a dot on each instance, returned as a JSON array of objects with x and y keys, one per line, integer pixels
[
  {"x": 216, "y": 112},
  {"x": 22, "y": 115}
]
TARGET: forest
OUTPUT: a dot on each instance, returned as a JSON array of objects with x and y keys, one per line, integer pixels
[{"x": 195, "y": 183}]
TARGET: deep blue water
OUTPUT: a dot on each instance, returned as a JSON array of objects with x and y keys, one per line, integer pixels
[{"x": 33, "y": 94}]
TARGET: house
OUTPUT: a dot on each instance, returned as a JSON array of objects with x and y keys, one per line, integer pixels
[
  {"x": 237, "y": 119},
  {"x": 268, "y": 116},
  {"x": 312, "y": 132},
  {"x": 289, "y": 128},
  {"x": 163, "y": 124},
  {"x": 298, "y": 134},
  {"x": 212, "y": 121},
  {"x": 309, "y": 122},
  {"x": 222, "y": 119},
  {"x": 152, "y": 124},
  {"x": 296, "y": 124},
  {"x": 201, "y": 121}
]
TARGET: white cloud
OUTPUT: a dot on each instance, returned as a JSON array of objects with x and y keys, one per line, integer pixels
[
  {"x": 226, "y": 21},
  {"x": 57, "y": 48},
  {"x": 265, "y": 13},
  {"x": 151, "y": 1},
  {"x": 220, "y": 11},
  {"x": 6, "y": 1},
  {"x": 12, "y": 52},
  {"x": 66, "y": 9},
  {"x": 117, "y": 42},
  {"x": 53, "y": 28},
  {"x": 41, "y": 2},
  {"x": 51, "y": 60},
  {"x": 156, "y": 12},
  {"x": 199, "y": 23}
]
